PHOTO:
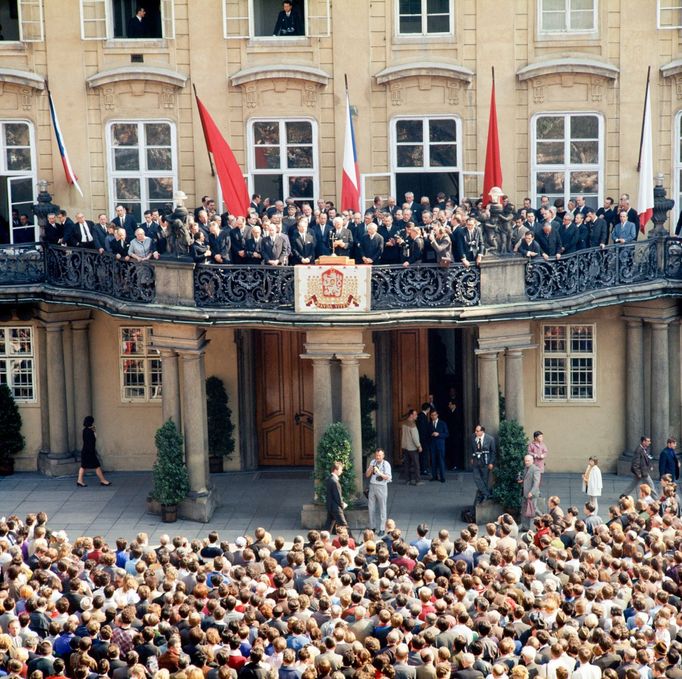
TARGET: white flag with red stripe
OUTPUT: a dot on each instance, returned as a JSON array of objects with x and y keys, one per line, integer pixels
[
  {"x": 350, "y": 179},
  {"x": 645, "y": 197}
]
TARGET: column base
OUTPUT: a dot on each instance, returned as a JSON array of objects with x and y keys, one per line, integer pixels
[
  {"x": 199, "y": 507},
  {"x": 314, "y": 516},
  {"x": 58, "y": 464},
  {"x": 623, "y": 464}
]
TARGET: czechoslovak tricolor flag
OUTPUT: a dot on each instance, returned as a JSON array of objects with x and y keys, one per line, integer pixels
[
  {"x": 350, "y": 180},
  {"x": 68, "y": 170},
  {"x": 645, "y": 197}
]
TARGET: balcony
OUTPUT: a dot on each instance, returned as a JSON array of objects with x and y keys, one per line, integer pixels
[{"x": 505, "y": 287}]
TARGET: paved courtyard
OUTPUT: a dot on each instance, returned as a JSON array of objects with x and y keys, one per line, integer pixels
[{"x": 247, "y": 499}]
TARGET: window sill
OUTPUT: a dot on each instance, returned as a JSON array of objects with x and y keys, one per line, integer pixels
[
  {"x": 565, "y": 403},
  {"x": 271, "y": 43},
  {"x": 568, "y": 39},
  {"x": 419, "y": 40},
  {"x": 123, "y": 45},
  {"x": 13, "y": 46}
]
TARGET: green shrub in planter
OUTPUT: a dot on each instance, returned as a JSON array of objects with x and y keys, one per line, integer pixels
[
  {"x": 171, "y": 481},
  {"x": 334, "y": 446},
  {"x": 512, "y": 445},
  {"x": 368, "y": 404},
  {"x": 219, "y": 419},
  {"x": 11, "y": 439}
]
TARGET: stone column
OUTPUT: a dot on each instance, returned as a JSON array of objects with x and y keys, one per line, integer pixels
[
  {"x": 513, "y": 385},
  {"x": 350, "y": 412},
  {"x": 660, "y": 386},
  {"x": 170, "y": 395},
  {"x": 322, "y": 397},
  {"x": 489, "y": 392},
  {"x": 82, "y": 393},
  {"x": 675, "y": 386},
  {"x": 634, "y": 362}
]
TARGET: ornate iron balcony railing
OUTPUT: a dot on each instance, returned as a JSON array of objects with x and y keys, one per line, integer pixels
[
  {"x": 593, "y": 269},
  {"x": 87, "y": 270},
  {"x": 21, "y": 264}
]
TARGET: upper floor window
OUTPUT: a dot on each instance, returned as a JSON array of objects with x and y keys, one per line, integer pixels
[
  {"x": 669, "y": 13},
  {"x": 567, "y": 157},
  {"x": 568, "y": 363},
  {"x": 17, "y": 363},
  {"x": 21, "y": 21},
  {"x": 140, "y": 365},
  {"x": 424, "y": 17},
  {"x": 567, "y": 16},
  {"x": 127, "y": 19},
  {"x": 276, "y": 19},
  {"x": 283, "y": 159},
  {"x": 142, "y": 165}
]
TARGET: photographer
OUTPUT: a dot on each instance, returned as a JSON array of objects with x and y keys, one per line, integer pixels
[{"x": 379, "y": 475}]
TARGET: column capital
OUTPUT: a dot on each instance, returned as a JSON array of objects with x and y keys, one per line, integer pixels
[
  {"x": 488, "y": 354},
  {"x": 167, "y": 352},
  {"x": 633, "y": 322},
  {"x": 55, "y": 327},
  {"x": 351, "y": 359},
  {"x": 317, "y": 357},
  {"x": 660, "y": 323},
  {"x": 81, "y": 324}
]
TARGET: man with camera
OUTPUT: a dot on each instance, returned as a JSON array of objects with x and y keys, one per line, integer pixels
[
  {"x": 482, "y": 463},
  {"x": 379, "y": 475}
]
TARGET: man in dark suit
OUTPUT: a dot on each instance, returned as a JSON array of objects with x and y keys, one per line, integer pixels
[
  {"x": 321, "y": 229},
  {"x": 100, "y": 232},
  {"x": 159, "y": 235},
  {"x": 468, "y": 244},
  {"x": 371, "y": 246},
  {"x": 568, "y": 235},
  {"x": 549, "y": 240},
  {"x": 341, "y": 238},
  {"x": 53, "y": 231},
  {"x": 302, "y": 244},
  {"x": 238, "y": 235},
  {"x": 253, "y": 245},
  {"x": 219, "y": 242},
  {"x": 80, "y": 233},
  {"x": 137, "y": 26},
  {"x": 423, "y": 427},
  {"x": 335, "y": 503},
  {"x": 598, "y": 230},
  {"x": 289, "y": 21},
  {"x": 276, "y": 248},
  {"x": 125, "y": 220},
  {"x": 482, "y": 462},
  {"x": 438, "y": 432}
]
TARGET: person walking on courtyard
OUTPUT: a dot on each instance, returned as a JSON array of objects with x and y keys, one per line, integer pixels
[
  {"x": 592, "y": 482},
  {"x": 411, "y": 446},
  {"x": 89, "y": 459},
  {"x": 335, "y": 504},
  {"x": 641, "y": 466},
  {"x": 379, "y": 475}
]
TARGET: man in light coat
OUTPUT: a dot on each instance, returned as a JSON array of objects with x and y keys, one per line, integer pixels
[{"x": 531, "y": 488}]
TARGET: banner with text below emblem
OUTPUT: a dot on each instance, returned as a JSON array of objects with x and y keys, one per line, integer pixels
[{"x": 327, "y": 288}]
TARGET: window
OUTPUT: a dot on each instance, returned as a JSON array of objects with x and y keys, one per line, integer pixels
[
  {"x": 567, "y": 16},
  {"x": 426, "y": 156},
  {"x": 258, "y": 19},
  {"x": 283, "y": 159},
  {"x": 21, "y": 20},
  {"x": 140, "y": 365},
  {"x": 143, "y": 165},
  {"x": 17, "y": 181},
  {"x": 568, "y": 363},
  {"x": 17, "y": 364},
  {"x": 424, "y": 17},
  {"x": 116, "y": 19},
  {"x": 669, "y": 13},
  {"x": 567, "y": 157}
]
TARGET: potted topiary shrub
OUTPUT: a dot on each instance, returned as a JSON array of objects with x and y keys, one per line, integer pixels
[
  {"x": 171, "y": 481},
  {"x": 511, "y": 449},
  {"x": 11, "y": 439},
  {"x": 335, "y": 445},
  {"x": 368, "y": 404},
  {"x": 220, "y": 427}
]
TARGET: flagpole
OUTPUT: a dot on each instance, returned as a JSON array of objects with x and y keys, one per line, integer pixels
[
  {"x": 208, "y": 153},
  {"x": 641, "y": 138}
]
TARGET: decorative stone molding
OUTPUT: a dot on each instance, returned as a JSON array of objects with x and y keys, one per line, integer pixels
[
  {"x": 155, "y": 74},
  {"x": 672, "y": 68},
  {"x": 280, "y": 72},
  {"x": 25, "y": 79},
  {"x": 424, "y": 69},
  {"x": 568, "y": 65}
]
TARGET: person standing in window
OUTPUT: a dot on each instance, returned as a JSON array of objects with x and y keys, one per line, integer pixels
[
  {"x": 137, "y": 26},
  {"x": 89, "y": 459},
  {"x": 288, "y": 21}
]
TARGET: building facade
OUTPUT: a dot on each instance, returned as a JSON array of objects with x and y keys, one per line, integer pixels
[{"x": 592, "y": 369}]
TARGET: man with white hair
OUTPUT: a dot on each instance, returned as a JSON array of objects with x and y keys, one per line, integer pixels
[
  {"x": 527, "y": 659},
  {"x": 531, "y": 490},
  {"x": 341, "y": 238},
  {"x": 401, "y": 667}
]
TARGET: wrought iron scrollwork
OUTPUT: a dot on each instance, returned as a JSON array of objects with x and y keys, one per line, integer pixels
[
  {"x": 89, "y": 271},
  {"x": 244, "y": 287},
  {"x": 425, "y": 286},
  {"x": 22, "y": 264},
  {"x": 592, "y": 269},
  {"x": 672, "y": 258}
]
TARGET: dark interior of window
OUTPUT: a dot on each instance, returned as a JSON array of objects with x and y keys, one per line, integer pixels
[
  {"x": 265, "y": 13},
  {"x": 124, "y": 15},
  {"x": 9, "y": 20},
  {"x": 427, "y": 184}
]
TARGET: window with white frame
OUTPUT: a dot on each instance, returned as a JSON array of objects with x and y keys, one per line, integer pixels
[
  {"x": 22, "y": 20},
  {"x": 426, "y": 156},
  {"x": 567, "y": 16},
  {"x": 424, "y": 17},
  {"x": 120, "y": 20},
  {"x": 261, "y": 19},
  {"x": 567, "y": 157},
  {"x": 569, "y": 362},
  {"x": 283, "y": 159},
  {"x": 17, "y": 362},
  {"x": 142, "y": 165},
  {"x": 140, "y": 365},
  {"x": 669, "y": 13}
]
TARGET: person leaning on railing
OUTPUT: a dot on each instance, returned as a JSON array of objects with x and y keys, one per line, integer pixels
[{"x": 625, "y": 231}]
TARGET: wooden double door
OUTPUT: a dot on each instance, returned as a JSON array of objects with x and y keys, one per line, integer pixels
[{"x": 284, "y": 399}]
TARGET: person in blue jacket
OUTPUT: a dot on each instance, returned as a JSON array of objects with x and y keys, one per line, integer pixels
[{"x": 668, "y": 462}]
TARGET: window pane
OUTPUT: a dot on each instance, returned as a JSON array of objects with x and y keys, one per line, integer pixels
[
  {"x": 266, "y": 133},
  {"x": 409, "y": 131},
  {"x": 159, "y": 160},
  {"x": 438, "y": 24},
  {"x": 553, "y": 5},
  {"x": 301, "y": 187},
  {"x": 443, "y": 155},
  {"x": 410, "y": 24},
  {"x": 549, "y": 152},
  {"x": 267, "y": 157},
  {"x": 581, "y": 339},
  {"x": 20, "y": 341},
  {"x": 132, "y": 341},
  {"x": 299, "y": 132},
  {"x": 550, "y": 127},
  {"x": 17, "y": 134},
  {"x": 584, "y": 127},
  {"x": 438, "y": 6},
  {"x": 585, "y": 152},
  {"x": 442, "y": 130},
  {"x": 127, "y": 188},
  {"x": 584, "y": 182},
  {"x": 582, "y": 4},
  {"x": 582, "y": 21},
  {"x": 3, "y": 345},
  {"x": 300, "y": 156},
  {"x": 410, "y": 156},
  {"x": 555, "y": 378},
  {"x": 126, "y": 160},
  {"x": 22, "y": 379},
  {"x": 19, "y": 159},
  {"x": 124, "y": 134},
  {"x": 581, "y": 378},
  {"x": 160, "y": 188},
  {"x": 410, "y": 6},
  {"x": 157, "y": 134},
  {"x": 155, "y": 378},
  {"x": 553, "y": 21},
  {"x": 550, "y": 182},
  {"x": 555, "y": 338}
]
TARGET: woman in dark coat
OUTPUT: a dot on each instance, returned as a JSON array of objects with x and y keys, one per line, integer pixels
[{"x": 89, "y": 458}]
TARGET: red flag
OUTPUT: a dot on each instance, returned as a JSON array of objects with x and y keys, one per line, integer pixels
[
  {"x": 232, "y": 184},
  {"x": 493, "y": 163}
]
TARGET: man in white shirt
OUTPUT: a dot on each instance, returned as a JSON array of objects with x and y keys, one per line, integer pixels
[{"x": 379, "y": 475}]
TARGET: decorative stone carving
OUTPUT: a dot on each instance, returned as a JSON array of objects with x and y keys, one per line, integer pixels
[
  {"x": 678, "y": 87},
  {"x": 167, "y": 98},
  {"x": 452, "y": 92},
  {"x": 424, "y": 82},
  {"x": 108, "y": 98},
  {"x": 596, "y": 90},
  {"x": 538, "y": 94},
  {"x": 251, "y": 95},
  {"x": 26, "y": 98},
  {"x": 309, "y": 95},
  {"x": 396, "y": 94}
]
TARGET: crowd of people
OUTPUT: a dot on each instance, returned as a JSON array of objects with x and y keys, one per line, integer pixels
[{"x": 278, "y": 233}]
